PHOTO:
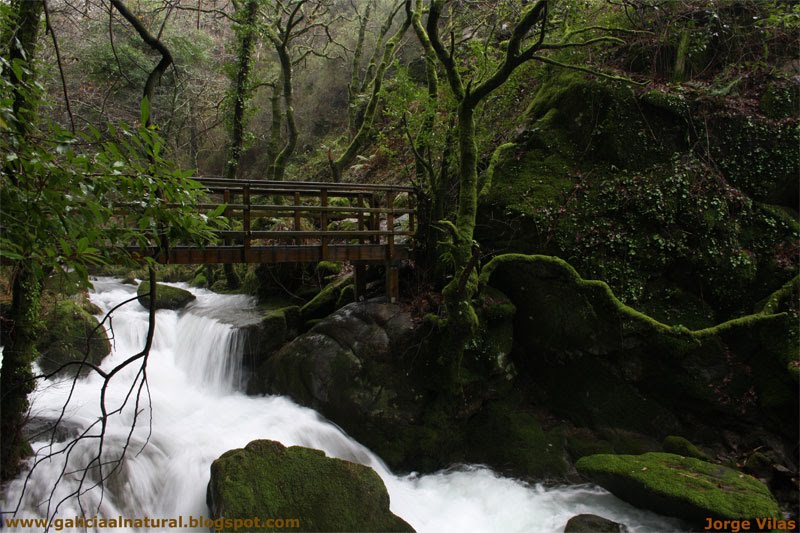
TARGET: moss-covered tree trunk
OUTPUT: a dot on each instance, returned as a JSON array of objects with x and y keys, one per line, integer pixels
[
  {"x": 16, "y": 377},
  {"x": 20, "y": 331},
  {"x": 246, "y": 39},
  {"x": 277, "y": 170}
]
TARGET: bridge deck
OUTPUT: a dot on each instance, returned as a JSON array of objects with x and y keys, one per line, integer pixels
[{"x": 306, "y": 222}]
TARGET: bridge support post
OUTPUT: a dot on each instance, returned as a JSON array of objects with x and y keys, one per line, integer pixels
[
  {"x": 360, "y": 279},
  {"x": 392, "y": 282}
]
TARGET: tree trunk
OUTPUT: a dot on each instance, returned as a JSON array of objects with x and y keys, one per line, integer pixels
[{"x": 19, "y": 335}]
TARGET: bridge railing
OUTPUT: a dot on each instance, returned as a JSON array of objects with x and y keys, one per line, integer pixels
[{"x": 286, "y": 221}]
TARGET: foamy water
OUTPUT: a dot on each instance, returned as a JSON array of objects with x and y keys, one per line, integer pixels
[{"x": 198, "y": 413}]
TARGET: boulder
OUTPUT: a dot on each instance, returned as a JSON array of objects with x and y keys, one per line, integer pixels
[
  {"x": 69, "y": 331},
  {"x": 602, "y": 364},
  {"x": 590, "y": 523},
  {"x": 683, "y": 487},
  {"x": 167, "y": 297},
  {"x": 378, "y": 372},
  {"x": 267, "y": 480}
]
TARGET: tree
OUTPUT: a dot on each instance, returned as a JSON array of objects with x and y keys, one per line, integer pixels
[
  {"x": 361, "y": 120},
  {"x": 296, "y": 29},
  {"x": 58, "y": 191},
  {"x": 470, "y": 87}
]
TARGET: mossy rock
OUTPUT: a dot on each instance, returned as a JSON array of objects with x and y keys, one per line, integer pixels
[
  {"x": 681, "y": 446},
  {"x": 325, "y": 302},
  {"x": 589, "y": 523},
  {"x": 267, "y": 480},
  {"x": 636, "y": 373},
  {"x": 683, "y": 487},
  {"x": 69, "y": 330},
  {"x": 513, "y": 440},
  {"x": 167, "y": 297},
  {"x": 200, "y": 280}
]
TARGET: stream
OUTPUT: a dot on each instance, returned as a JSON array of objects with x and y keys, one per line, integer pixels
[{"x": 199, "y": 412}]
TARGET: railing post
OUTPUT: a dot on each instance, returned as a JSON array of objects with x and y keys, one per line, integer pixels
[
  {"x": 323, "y": 222},
  {"x": 226, "y": 199},
  {"x": 246, "y": 222},
  {"x": 392, "y": 278},
  {"x": 297, "y": 216}
]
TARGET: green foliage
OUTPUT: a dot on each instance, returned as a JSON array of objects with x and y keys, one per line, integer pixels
[{"x": 630, "y": 227}]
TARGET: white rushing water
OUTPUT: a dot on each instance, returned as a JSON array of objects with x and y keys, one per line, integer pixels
[{"x": 194, "y": 374}]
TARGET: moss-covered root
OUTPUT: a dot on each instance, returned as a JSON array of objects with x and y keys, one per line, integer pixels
[
  {"x": 267, "y": 480},
  {"x": 167, "y": 297},
  {"x": 683, "y": 487}
]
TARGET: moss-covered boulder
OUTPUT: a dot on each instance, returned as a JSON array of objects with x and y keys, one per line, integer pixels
[
  {"x": 601, "y": 174},
  {"x": 589, "y": 523},
  {"x": 167, "y": 297},
  {"x": 267, "y": 480},
  {"x": 325, "y": 302},
  {"x": 602, "y": 364},
  {"x": 70, "y": 330},
  {"x": 512, "y": 440},
  {"x": 267, "y": 334},
  {"x": 683, "y": 487}
]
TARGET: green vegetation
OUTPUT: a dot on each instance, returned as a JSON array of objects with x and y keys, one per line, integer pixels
[
  {"x": 268, "y": 480},
  {"x": 681, "y": 486}
]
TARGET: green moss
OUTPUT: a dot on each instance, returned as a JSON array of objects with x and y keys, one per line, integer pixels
[
  {"x": 268, "y": 480},
  {"x": 328, "y": 268},
  {"x": 634, "y": 372},
  {"x": 325, "y": 302},
  {"x": 681, "y": 446},
  {"x": 784, "y": 299},
  {"x": 681, "y": 486},
  {"x": 69, "y": 331},
  {"x": 513, "y": 440},
  {"x": 167, "y": 297},
  {"x": 200, "y": 281},
  {"x": 581, "y": 442}
]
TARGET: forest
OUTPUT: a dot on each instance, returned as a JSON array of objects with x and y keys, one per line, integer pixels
[{"x": 546, "y": 249}]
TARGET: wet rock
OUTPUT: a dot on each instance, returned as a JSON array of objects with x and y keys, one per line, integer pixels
[
  {"x": 589, "y": 523},
  {"x": 267, "y": 480},
  {"x": 167, "y": 297}
]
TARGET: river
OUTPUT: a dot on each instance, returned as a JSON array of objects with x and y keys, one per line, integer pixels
[{"x": 198, "y": 413}]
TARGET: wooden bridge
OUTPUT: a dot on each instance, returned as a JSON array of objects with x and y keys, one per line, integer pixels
[{"x": 307, "y": 222}]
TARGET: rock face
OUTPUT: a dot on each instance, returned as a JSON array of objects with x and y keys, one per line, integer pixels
[
  {"x": 376, "y": 371},
  {"x": 601, "y": 364},
  {"x": 351, "y": 366},
  {"x": 69, "y": 331},
  {"x": 267, "y": 480},
  {"x": 167, "y": 297},
  {"x": 678, "y": 486},
  {"x": 589, "y": 523}
]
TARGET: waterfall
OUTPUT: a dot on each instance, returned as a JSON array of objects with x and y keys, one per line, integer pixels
[{"x": 198, "y": 413}]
